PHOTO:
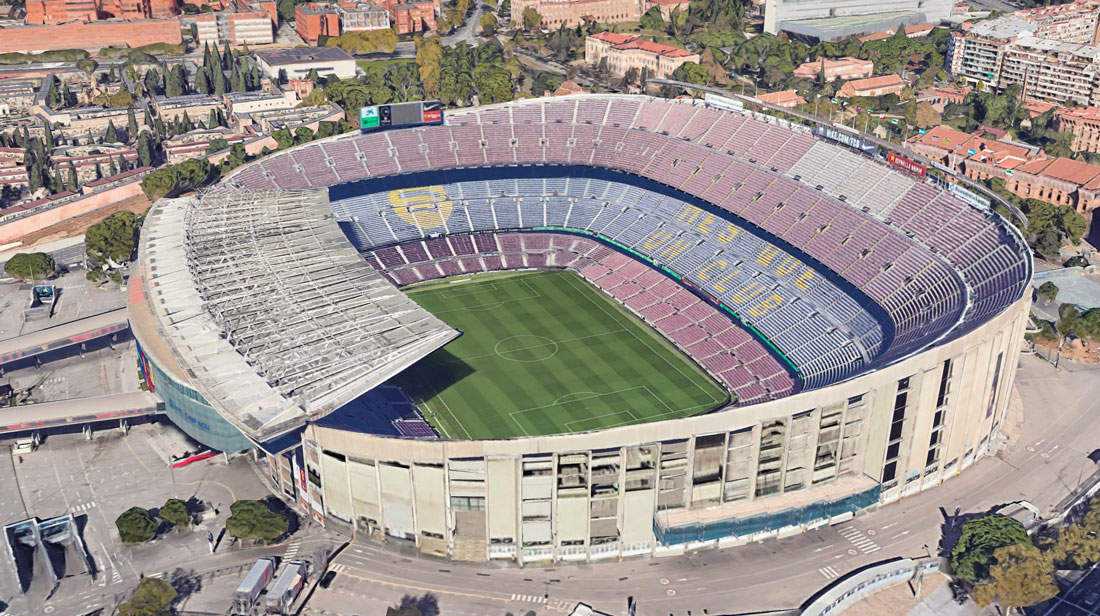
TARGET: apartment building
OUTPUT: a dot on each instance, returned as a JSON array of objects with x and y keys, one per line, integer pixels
[
  {"x": 1052, "y": 70},
  {"x": 625, "y": 52},
  {"x": 1075, "y": 22}
]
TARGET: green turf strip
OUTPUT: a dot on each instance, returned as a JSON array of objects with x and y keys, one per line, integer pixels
[{"x": 545, "y": 353}]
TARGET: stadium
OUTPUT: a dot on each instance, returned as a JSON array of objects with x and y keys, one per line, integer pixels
[{"x": 584, "y": 327}]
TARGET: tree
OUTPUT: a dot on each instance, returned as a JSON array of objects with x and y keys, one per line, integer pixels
[
  {"x": 972, "y": 554},
  {"x": 152, "y": 597},
  {"x": 175, "y": 513},
  {"x": 1076, "y": 261},
  {"x": 429, "y": 56},
  {"x": 531, "y": 19},
  {"x": 1075, "y": 546},
  {"x": 135, "y": 525},
  {"x": 160, "y": 182},
  {"x": 927, "y": 116},
  {"x": 303, "y": 134},
  {"x": 1048, "y": 292},
  {"x": 652, "y": 19},
  {"x": 145, "y": 149},
  {"x": 285, "y": 8},
  {"x": 252, "y": 519},
  {"x": 131, "y": 124},
  {"x": 53, "y": 95},
  {"x": 202, "y": 81},
  {"x": 73, "y": 181},
  {"x": 173, "y": 83},
  {"x": 489, "y": 24},
  {"x": 1022, "y": 577},
  {"x": 283, "y": 138},
  {"x": 216, "y": 144},
  {"x": 113, "y": 239},
  {"x": 30, "y": 266},
  {"x": 690, "y": 72},
  {"x": 111, "y": 134}
]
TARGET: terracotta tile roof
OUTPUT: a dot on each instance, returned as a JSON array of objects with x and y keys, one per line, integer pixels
[
  {"x": 1065, "y": 169},
  {"x": 625, "y": 41},
  {"x": 991, "y": 151},
  {"x": 872, "y": 83},
  {"x": 1079, "y": 113},
  {"x": 783, "y": 98}
]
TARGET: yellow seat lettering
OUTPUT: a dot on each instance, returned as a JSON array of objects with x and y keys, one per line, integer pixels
[{"x": 763, "y": 307}]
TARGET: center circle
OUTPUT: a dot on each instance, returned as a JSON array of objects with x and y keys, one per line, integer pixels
[{"x": 526, "y": 348}]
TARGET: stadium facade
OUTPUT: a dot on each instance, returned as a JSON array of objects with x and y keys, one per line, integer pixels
[{"x": 866, "y": 322}]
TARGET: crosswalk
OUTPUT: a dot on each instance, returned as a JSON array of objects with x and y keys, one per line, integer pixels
[
  {"x": 116, "y": 577},
  {"x": 292, "y": 550},
  {"x": 859, "y": 540},
  {"x": 829, "y": 573},
  {"x": 528, "y": 598},
  {"x": 339, "y": 567},
  {"x": 83, "y": 507}
]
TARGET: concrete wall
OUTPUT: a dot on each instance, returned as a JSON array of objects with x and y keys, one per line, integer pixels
[
  {"x": 13, "y": 230},
  {"x": 514, "y": 488},
  {"x": 90, "y": 36}
]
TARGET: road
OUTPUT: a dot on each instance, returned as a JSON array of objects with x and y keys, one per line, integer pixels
[{"x": 1047, "y": 461}]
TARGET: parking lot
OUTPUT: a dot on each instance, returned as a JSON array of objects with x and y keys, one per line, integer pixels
[{"x": 96, "y": 481}]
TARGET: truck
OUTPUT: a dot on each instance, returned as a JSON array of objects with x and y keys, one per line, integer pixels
[
  {"x": 244, "y": 598},
  {"x": 286, "y": 588}
]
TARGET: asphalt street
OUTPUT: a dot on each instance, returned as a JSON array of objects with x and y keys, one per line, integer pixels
[{"x": 1046, "y": 461}]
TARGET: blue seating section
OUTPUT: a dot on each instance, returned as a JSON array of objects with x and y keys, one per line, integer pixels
[{"x": 936, "y": 266}]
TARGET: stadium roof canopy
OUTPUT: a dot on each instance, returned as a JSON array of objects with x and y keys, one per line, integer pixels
[{"x": 270, "y": 311}]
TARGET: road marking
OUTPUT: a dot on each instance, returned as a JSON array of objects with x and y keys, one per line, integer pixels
[
  {"x": 859, "y": 540},
  {"x": 889, "y": 526},
  {"x": 901, "y": 534},
  {"x": 339, "y": 567},
  {"x": 529, "y": 598},
  {"x": 292, "y": 549},
  {"x": 823, "y": 548},
  {"x": 829, "y": 573}
]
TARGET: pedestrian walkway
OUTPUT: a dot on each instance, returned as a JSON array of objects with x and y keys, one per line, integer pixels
[{"x": 859, "y": 540}]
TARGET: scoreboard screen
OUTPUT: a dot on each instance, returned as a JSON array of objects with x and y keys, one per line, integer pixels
[{"x": 379, "y": 117}]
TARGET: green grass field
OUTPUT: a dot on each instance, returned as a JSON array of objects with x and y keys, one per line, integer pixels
[{"x": 545, "y": 353}]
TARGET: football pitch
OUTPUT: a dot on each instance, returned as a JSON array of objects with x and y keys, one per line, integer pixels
[{"x": 545, "y": 353}]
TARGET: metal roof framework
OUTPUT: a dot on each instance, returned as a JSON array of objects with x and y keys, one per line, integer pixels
[{"x": 270, "y": 310}]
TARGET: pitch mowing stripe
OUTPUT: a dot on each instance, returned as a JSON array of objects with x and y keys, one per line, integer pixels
[{"x": 638, "y": 377}]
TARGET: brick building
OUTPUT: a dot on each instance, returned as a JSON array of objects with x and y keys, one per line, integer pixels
[
  {"x": 940, "y": 97},
  {"x": 1084, "y": 123},
  {"x": 1061, "y": 181},
  {"x": 625, "y": 52},
  {"x": 873, "y": 86},
  {"x": 91, "y": 36},
  {"x": 46, "y": 12},
  {"x": 841, "y": 68},
  {"x": 412, "y": 17},
  {"x": 572, "y": 12},
  {"x": 971, "y": 154},
  {"x": 314, "y": 19}
]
